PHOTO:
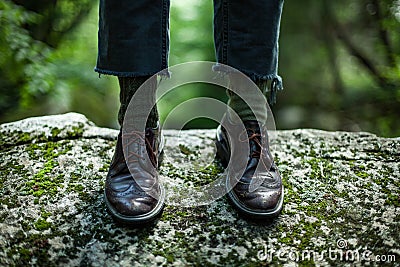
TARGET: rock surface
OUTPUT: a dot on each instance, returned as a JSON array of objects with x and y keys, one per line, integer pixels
[{"x": 342, "y": 201}]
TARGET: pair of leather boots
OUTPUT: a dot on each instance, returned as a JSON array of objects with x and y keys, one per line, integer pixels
[{"x": 134, "y": 196}]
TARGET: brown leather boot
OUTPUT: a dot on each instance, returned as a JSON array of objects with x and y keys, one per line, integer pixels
[
  {"x": 134, "y": 195},
  {"x": 258, "y": 192}
]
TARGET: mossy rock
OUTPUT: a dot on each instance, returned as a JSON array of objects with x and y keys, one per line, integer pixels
[{"x": 342, "y": 194}]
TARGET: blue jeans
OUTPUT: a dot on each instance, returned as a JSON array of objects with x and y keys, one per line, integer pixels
[{"x": 134, "y": 37}]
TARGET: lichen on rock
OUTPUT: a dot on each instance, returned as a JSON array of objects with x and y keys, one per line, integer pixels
[{"x": 339, "y": 187}]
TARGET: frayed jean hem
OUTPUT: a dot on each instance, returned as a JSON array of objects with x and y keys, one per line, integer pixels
[
  {"x": 163, "y": 73},
  {"x": 261, "y": 80}
]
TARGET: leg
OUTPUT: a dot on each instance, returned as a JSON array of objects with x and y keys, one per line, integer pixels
[
  {"x": 133, "y": 45},
  {"x": 133, "y": 37},
  {"x": 246, "y": 38}
]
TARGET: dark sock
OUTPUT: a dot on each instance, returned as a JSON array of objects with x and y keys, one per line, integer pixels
[
  {"x": 128, "y": 87},
  {"x": 255, "y": 109}
]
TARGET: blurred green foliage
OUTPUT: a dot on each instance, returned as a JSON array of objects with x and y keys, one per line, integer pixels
[
  {"x": 47, "y": 54},
  {"x": 340, "y": 61},
  {"x": 341, "y": 65}
]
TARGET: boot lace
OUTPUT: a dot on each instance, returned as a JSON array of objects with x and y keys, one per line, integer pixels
[
  {"x": 252, "y": 136},
  {"x": 140, "y": 138}
]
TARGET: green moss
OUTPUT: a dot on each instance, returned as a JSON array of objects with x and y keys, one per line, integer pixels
[
  {"x": 11, "y": 167},
  {"x": 368, "y": 185},
  {"x": 343, "y": 193},
  {"x": 41, "y": 224},
  {"x": 86, "y": 147},
  {"x": 78, "y": 188},
  {"x": 11, "y": 201},
  {"x": 393, "y": 199},
  {"x": 45, "y": 181},
  {"x": 290, "y": 195},
  {"x": 55, "y": 131},
  {"x": 77, "y": 131},
  {"x": 25, "y": 254},
  {"x": 321, "y": 169},
  {"x": 304, "y": 233},
  {"x": 104, "y": 168},
  {"x": 34, "y": 247},
  {"x": 45, "y": 214},
  {"x": 361, "y": 174},
  {"x": 197, "y": 175},
  {"x": 75, "y": 176},
  {"x": 170, "y": 258},
  {"x": 24, "y": 137},
  {"x": 315, "y": 209},
  {"x": 297, "y": 154},
  {"x": 179, "y": 234},
  {"x": 185, "y": 150},
  {"x": 286, "y": 240},
  {"x": 48, "y": 150}
]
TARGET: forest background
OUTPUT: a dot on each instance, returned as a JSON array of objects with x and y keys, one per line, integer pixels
[{"x": 340, "y": 62}]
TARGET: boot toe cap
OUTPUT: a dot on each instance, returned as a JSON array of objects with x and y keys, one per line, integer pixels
[
  {"x": 262, "y": 200},
  {"x": 133, "y": 206}
]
